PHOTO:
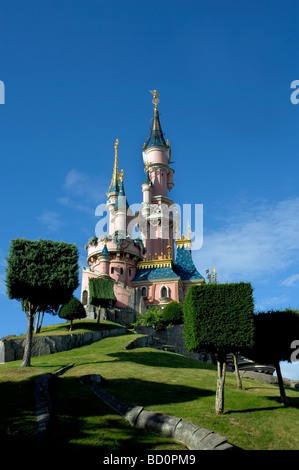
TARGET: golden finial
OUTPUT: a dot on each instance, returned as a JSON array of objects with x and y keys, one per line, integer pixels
[
  {"x": 146, "y": 166},
  {"x": 208, "y": 275},
  {"x": 116, "y": 147},
  {"x": 169, "y": 249},
  {"x": 167, "y": 143},
  {"x": 155, "y": 99},
  {"x": 121, "y": 175},
  {"x": 214, "y": 275}
]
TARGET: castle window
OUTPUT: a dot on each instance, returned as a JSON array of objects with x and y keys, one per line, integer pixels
[
  {"x": 112, "y": 270},
  {"x": 121, "y": 270},
  {"x": 144, "y": 291},
  {"x": 164, "y": 292},
  {"x": 130, "y": 272},
  {"x": 85, "y": 297}
]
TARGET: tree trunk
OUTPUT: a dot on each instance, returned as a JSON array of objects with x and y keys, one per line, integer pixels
[
  {"x": 221, "y": 368},
  {"x": 239, "y": 382},
  {"x": 36, "y": 323},
  {"x": 28, "y": 343},
  {"x": 281, "y": 384}
]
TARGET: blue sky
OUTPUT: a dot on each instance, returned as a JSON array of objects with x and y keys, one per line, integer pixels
[{"x": 77, "y": 75}]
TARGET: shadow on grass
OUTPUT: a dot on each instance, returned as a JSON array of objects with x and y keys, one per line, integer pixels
[
  {"x": 147, "y": 393},
  {"x": 83, "y": 422},
  {"x": 156, "y": 358},
  {"x": 17, "y": 414},
  {"x": 293, "y": 402}
]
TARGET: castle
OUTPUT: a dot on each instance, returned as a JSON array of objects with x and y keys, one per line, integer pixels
[{"x": 156, "y": 267}]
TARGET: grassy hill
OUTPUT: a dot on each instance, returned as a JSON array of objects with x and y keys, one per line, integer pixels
[{"x": 164, "y": 382}]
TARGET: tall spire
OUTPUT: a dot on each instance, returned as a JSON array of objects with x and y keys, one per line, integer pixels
[
  {"x": 114, "y": 186},
  {"x": 156, "y": 137}
]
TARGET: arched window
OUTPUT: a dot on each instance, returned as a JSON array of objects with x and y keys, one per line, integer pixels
[
  {"x": 164, "y": 292},
  {"x": 121, "y": 270},
  {"x": 112, "y": 270},
  {"x": 85, "y": 297},
  {"x": 144, "y": 291}
]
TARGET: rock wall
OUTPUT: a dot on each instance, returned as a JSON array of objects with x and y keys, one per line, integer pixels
[
  {"x": 122, "y": 316},
  {"x": 12, "y": 349},
  {"x": 170, "y": 339}
]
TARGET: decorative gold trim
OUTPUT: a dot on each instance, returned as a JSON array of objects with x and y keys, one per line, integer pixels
[
  {"x": 152, "y": 262},
  {"x": 156, "y": 100},
  {"x": 115, "y": 177}
]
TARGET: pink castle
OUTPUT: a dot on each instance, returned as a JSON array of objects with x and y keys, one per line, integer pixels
[{"x": 157, "y": 267}]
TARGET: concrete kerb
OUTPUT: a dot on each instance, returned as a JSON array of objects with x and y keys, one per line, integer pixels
[
  {"x": 191, "y": 436},
  {"x": 43, "y": 403}
]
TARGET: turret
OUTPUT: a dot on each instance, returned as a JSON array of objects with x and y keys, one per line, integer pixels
[
  {"x": 159, "y": 180},
  {"x": 147, "y": 192},
  {"x": 120, "y": 209},
  {"x": 157, "y": 155},
  {"x": 104, "y": 262},
  {"x": 113, "y": 190}
]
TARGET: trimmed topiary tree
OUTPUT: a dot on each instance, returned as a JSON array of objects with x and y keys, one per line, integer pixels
[
  {"x": 274, "y": 334},
  {"x": 72, "y": 310},
  {"x": 42, "y": 275},
  {"x": 218, "y": 318},
  {"x": 101, "y": 292}
]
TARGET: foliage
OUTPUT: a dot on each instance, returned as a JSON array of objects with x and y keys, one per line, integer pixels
[
  {"x": 218, "y": 317},
  {"x": 91, "y": 242},
  {"x": 72, "y": 310},
  {"x": 173, "y": 313},
  {"x": 274, "y": 333},
  {"x": 152, "y": 317},
  {"x": 43, "y": 273},
  {"x": 138, "y": 242},
  {"x": 101, "y": 292}
]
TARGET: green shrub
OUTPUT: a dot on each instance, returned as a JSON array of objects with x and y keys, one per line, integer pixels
[
  {"x": 101, "y": 292},
  {"x": 72, "y": 310},
  {"x": 173, "y": 313},
  {"x": 152, "y": 317}
]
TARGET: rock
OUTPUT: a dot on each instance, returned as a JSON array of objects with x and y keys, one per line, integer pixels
[{"x": 157, "y": 422}]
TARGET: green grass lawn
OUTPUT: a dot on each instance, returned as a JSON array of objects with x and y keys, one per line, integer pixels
[{"x": 254, "y": 418}]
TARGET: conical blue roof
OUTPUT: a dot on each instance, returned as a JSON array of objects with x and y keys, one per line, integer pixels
[
  {"x": 184, "y": 266},
  {"x": 105, "y": 251},
  {"x": 121, "y": 195},
  {"x": 156, "y": 138}
]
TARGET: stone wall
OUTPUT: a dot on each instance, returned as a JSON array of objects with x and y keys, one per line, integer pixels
[
  {"x": 170, "y": 339},
  {"x": 12, "y": 349},
  {"x": 122, "y": 316}
]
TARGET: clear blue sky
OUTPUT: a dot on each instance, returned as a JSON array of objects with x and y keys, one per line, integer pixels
[{"x": 77, "y": 75}]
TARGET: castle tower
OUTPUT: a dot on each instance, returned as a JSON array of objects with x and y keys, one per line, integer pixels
[
  {"x": 104, "y": 259},
  {"x": 121, "y": 207},
  {"x": 158, "y": 181}
]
